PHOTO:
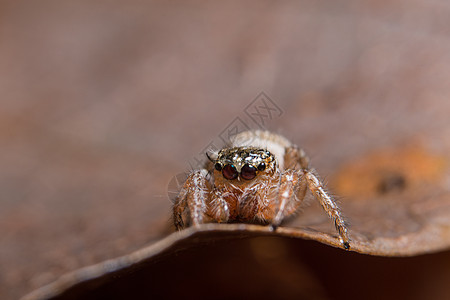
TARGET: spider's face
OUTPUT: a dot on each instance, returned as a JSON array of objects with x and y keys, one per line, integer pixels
[{"x": 244, "y": 163}]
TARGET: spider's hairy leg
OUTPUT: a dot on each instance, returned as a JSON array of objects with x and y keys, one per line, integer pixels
[
  {"x": 294, "y": 186},
  {"x": 300, "y": 189},
  {"x": 295, "y": 156},
  {"x": 329, "y": 205},
  {"x": 284, "y": 197},
  {"x": 179, "y": 207},
  {"x": 193, "y": 195},
  {"x": 218, "y": 207}
]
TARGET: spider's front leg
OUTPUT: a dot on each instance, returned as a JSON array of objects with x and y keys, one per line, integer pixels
[
  {"x": 284, "y": 195},
  {"x": 193, "y": 195},
  {"x": 328, "y": 204},
  {"x": 291, "y": 192}
]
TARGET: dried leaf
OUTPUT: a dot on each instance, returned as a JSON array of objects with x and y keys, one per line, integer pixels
[{"x": 103, "y": 105}]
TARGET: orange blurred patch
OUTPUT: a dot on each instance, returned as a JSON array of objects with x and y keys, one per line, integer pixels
[{"x": 389, "y": 170}]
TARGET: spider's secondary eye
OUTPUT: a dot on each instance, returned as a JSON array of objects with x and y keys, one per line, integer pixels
[
  {"x": 230, "y": 172},
  {"x": 218, "y": 167},
  {"x": 261, "y": 167},
  {"x": 248, "y": 172}
]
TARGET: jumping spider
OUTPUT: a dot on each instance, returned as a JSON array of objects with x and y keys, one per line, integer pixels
[{"x": 261, "y": 177}]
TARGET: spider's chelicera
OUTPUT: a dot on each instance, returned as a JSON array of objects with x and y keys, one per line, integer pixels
[{"x": 261, "y": 177}]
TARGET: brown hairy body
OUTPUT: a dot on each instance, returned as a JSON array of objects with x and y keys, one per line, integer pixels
[{"x": 260, "y": 178}]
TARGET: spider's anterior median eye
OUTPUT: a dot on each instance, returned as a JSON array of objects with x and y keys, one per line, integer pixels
[
  {"x": 248, "y": 172},
  {"x": 230, "y": 172},
  {"x": 218, "y": 166},
  {"x": 261, "y": 167}
]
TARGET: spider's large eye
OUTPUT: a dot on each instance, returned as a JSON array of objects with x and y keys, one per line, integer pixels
[
  {"x": 230, "y": 172},
  {"x": 248, "y": 172}
]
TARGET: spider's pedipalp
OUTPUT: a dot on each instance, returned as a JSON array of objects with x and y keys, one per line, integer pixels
[{"x": 218, "y": 207}]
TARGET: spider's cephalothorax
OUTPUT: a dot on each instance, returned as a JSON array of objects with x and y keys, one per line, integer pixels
[
  {"x": 244, "y": 163},
  {"x": 261, "y": 177}
]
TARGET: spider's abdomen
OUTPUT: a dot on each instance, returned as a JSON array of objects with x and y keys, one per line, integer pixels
[{"x": 274, "y": 143}]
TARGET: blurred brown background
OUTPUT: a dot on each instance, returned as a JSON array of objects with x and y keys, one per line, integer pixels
[{"x": 102, "y": 102}]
